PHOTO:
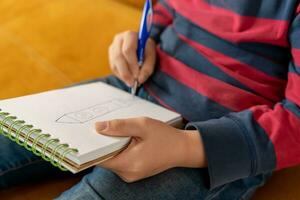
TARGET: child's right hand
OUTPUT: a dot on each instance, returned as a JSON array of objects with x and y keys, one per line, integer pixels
[{"x": 123, "y": 58}]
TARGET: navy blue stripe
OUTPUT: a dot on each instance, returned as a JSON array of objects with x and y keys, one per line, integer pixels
[
  {"x": 176, "y": 48},
  {"x": 292, "y": 107},
  {"x": 297, "y": 70},
  {"x": 188, "y": 29},
  {"x": 294, "y": 69},
  {"x": 272, "y": 9},
  {"x": 167, "y": 6},
  {"x": 295, "y": 33},
  {"x": 278, "y": 54},
  {"x": 155, "y": 32},
  {"x": 190, "y": 104},
  {"x": 157, "y": 27}
]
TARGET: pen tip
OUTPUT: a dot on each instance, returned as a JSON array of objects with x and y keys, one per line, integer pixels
[{"x": 134, "y": 88}]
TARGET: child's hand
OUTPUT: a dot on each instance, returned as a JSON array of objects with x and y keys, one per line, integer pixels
[
  {"x": 123, "y": 58},
  {"x": 154, "y": 148}
]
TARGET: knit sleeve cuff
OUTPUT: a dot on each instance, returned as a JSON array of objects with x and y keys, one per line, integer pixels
[{"x": 226, "y": 148}]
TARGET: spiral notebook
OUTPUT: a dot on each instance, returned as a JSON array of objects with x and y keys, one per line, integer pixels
[{"x": 59, "y": 125}]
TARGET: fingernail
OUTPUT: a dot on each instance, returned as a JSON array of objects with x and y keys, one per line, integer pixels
[
  {"x": 129, "y": 85},
  {"x": 141, "y": 80},
  {"x": 100, "y": 126}
]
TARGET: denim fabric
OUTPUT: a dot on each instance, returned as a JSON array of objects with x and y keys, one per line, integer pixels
[
  {"x": 178, "y": 183},
  {"x": 18, "y": 165}
]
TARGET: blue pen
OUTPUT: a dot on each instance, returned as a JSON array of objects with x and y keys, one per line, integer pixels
[{"x": 144, "y": 34}]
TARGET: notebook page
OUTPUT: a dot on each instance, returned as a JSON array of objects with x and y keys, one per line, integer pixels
[{"x": 70, "y": 114}]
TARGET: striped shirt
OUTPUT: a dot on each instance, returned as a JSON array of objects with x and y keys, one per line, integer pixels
[{"x": 232, "y": 69}]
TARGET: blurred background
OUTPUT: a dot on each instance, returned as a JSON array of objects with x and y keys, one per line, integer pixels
[{"x": 47, "y": 44}]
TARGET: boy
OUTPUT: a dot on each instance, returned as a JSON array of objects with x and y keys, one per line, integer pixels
[{"x": 232, "y": 70}]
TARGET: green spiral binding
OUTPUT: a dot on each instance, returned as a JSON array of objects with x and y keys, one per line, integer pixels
[
  {"x": 19, "y": 131},
  {"x": 36, "y": 141},
  {"x": 54, "y": 162},
  {"x": 16, "y": 123},
  {"x": 45, "y": 147},
  {"x": 5, "y": 120},
  {"x": 12, "y": 128},
  {"x": 28, "y": 136}
]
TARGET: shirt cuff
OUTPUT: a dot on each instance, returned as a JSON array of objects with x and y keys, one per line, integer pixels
[{"x": 227, "y": 149}]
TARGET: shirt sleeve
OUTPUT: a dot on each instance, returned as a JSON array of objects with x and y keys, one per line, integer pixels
[
  {"x": 162, "y": 17},
  {"x": 260, "y": 139}
]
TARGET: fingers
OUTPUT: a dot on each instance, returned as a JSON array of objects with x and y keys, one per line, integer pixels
[
  {"x": 134, "y": 127},
  {"x": 123, "y": 164},
  {"x": 149, "y": 62},
  {"x": 129, "y": 49},
  {"x": 118, "y": 63},
  {"x": 122, "y": 70},
  {"x": 115, "y": 163},
  {"x": 123, "y": 58}
]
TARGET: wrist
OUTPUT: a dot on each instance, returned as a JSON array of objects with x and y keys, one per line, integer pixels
[{"x": 193, "y": 154}]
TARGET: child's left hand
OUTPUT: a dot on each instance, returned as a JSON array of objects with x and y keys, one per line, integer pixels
[{"x": 154, "y": 148}]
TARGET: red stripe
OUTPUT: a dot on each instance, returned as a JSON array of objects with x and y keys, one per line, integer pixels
[
  {"x": 161, "y": 20},
  {"x": 296, "y": 56},
  {"x": 160, "y": 101},
  {"x": 231, "y": 26},
  {"x": 229, "y": 96},
  {"x": 165, "y": 18},
  {"x": 282, "y": 126},
  {"x": 162, "y": 9},
  {"x": 298, "y": 10},
  {"x": 265, "y": 85},
  {"x": 293, "y": 88}
]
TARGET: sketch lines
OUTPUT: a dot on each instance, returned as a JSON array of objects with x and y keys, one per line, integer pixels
[{"x": 98, "y": 110}]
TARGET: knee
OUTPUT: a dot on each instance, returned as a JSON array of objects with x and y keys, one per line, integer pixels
[
  {"x": 97, "y": 185},
  {"x": 82, "y": 190}
]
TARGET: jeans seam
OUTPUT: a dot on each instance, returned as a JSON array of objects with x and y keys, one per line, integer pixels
[
  {"x": 213, "y": 193},
  {"x": 92, "y": 188},
  {"x": 245, "y": 192},
  {"x": 19, "y": 167}
]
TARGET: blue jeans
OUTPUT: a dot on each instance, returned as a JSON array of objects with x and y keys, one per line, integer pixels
[{"x": 18, "y": 165}]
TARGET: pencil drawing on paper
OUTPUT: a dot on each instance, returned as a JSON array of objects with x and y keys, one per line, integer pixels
[{"x": 95, "y": 111}]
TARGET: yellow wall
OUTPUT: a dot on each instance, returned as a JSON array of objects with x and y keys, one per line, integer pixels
[{"x": 51, "y": 44}]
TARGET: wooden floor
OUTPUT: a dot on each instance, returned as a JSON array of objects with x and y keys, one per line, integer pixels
[{"x": 42, "y": 190}]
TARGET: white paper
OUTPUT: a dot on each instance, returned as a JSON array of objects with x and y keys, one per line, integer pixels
[{"x": 70, "y": 114}]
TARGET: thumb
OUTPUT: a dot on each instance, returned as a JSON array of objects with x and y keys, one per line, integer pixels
[{"x": 119, "y": 128}]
